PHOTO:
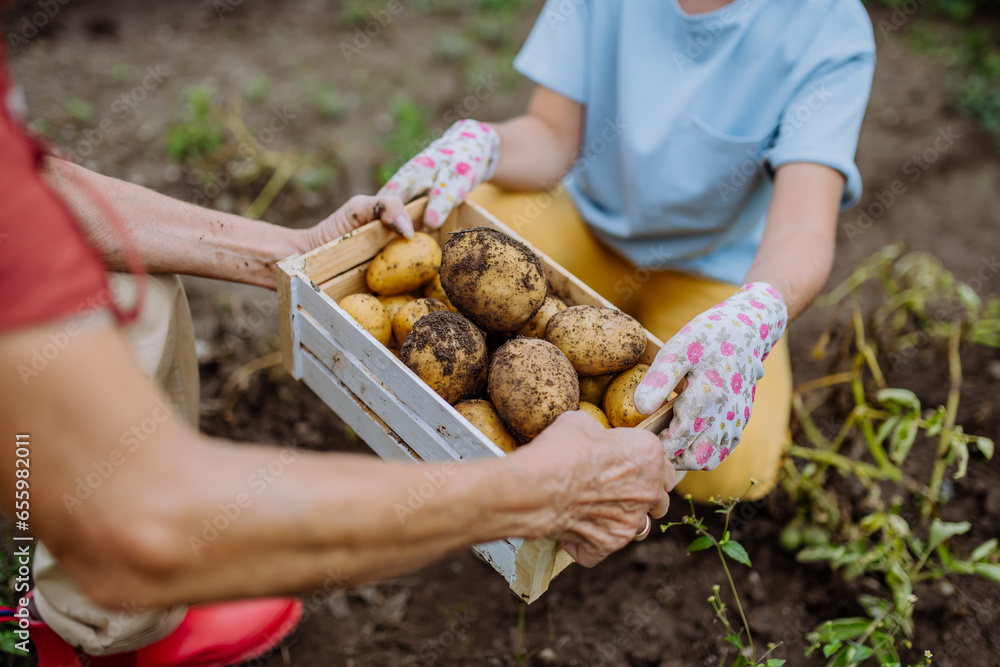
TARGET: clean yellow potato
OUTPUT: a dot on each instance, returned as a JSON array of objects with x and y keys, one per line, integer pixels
[
  {"x": 597, "y": 340},
  {"x": 493, "y": 279},
  {"x": 530, "y": 384},
  {"x": 595, "y": 412},
  {"x": 592, "y": 388},
  {"x": 435, "y": 291},
  {"x": 410, "y": 314},
  {"x": 448, "y": 352},
  {"x": 484, "y": 416},
  {"x": 404, "y": 265},
  {"x": 619, "y": 403},
  {"x": 394, "y": 303},
  {"x": 535, "y": 328},
  {"x": 369, "y": 313}
]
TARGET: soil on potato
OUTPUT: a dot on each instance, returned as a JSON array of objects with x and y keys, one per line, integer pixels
[{"x": 645, "y": 605}]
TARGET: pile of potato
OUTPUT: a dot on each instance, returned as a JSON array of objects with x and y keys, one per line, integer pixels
[{"x": 475, "y": 321}]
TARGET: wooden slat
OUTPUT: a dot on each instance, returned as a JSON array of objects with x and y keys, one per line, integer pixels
[
  {"x": 353, "y": 412},
  {"x": 356, "y": 247},
  {"x": 288, "y": 310},
  {"x": 369, "y": 362},
  {"x": 414, "y": 431},
  {"x": 537, "y": 563},
  {"x": 349, "y": 282},
  {"x": 659, "y": 420},
  {"x": 377, "y": 435}
]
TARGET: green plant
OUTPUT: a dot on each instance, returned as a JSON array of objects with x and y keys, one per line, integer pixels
[
  {"x": 258, "y": 88},
  {"x": 410, "y": 133},
  {"x": 79, "y": 109},
  {"x": 725, "y": 547},
  {"x": 120, "y": 72},
  {"x": 328, "y": 101},
  {"x": 899, "y": 537},
  {"x": 956, "y": 10},
  {"x": 200, "y": 133}
]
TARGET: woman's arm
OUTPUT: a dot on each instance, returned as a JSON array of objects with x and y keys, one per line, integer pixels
[
  {"x": 172, "y": 236},
  {"x": 141, "y": 509},
  {"x": 796, "y": 253},
  {"x": 539, "y": 147}
]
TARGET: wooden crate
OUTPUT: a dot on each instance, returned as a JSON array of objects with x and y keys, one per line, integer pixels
[{"x": 386, "y": 404}]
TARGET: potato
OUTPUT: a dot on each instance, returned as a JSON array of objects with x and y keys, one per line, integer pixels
[
  {"x": 530, "y": 384},
  {"x": 592, "y": 388},
  {"x": 410, "y": 314},
  {"x": 404, "y": 265},
  {"x": 448, "y": 352},
  {"x": 595, "y": 412},
  {"x": 619, "y": 403},
  {"x": 394, "y": 303},
  {"x": 484, "y": 416},
  {"x": 535, "y": 328},
  {"x": 435, "y": 291},
  {"x": 369, "y": 313},
  {"x": 495, "y": 281},
  {"x": 597, "y": 340}
]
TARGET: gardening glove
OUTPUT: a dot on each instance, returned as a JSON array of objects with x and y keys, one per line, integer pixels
[
  {"x": 462, "y": 158},
  {"x": 721, "y": 353}
]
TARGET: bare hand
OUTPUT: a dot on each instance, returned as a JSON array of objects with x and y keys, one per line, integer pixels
[
  {"x": 603, "y": 483},
  {"x": 357, "y": 211}
]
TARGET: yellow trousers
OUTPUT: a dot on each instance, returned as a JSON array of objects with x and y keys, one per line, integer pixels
[{"x": 663, "y": 301}]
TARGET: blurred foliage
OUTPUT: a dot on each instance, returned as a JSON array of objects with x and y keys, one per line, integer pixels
[
  {"x": 956, "y": 10},
  {"x": 226, "y": 159},
  {"x": 79, "y": 109},
  {"x": 327, "y": 101},
  {"x": 409, "y": 135},
  {"x": 976, "y": 51},
  {"x": 200, "y": 133},
  {"x": 979, "y": 94}
]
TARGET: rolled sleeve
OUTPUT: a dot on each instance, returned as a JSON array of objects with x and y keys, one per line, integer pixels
[
  {"x": 555, "y": 54},
  {"x": 822, "y": 122}
]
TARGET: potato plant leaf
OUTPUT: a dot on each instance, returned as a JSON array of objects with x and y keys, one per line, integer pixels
[
  {"x": 735, "y": 550},
  {"x": 700, "y": 544}
]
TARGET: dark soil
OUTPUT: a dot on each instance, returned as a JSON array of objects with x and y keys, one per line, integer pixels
[{"x": 647, "y": 604}]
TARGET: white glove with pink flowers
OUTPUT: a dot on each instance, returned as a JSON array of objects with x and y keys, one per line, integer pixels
[
  {"x": 721, "y": 353},
  {"x": 462, "y": 158}
]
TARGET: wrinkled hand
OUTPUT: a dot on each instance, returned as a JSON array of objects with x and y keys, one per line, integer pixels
[
  {"x": 721, "y": 353},
  {"x": 603, "y": 483},
  {"x": 357, "y": 211},
  {"x": 462, "y": 158}
]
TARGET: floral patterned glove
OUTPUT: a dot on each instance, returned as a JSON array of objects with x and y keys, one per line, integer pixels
[
  {"x": 721, "y": 353},
  {"x": 462, "y": 158}
]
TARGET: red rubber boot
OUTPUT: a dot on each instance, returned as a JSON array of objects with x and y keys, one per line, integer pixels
[{"x": 211, "y": 635}]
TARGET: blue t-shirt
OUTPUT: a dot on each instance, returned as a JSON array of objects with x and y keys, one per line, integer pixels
[{"x": 687, "y": 117}]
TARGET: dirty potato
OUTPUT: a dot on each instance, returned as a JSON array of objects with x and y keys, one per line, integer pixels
[
  {"x": 530, "y": 384},
  {"x": 484, "y": 417},
  {"x": 435, "y": 291},
  {"x": 592, "y": 388},
  {"x": 369, "y": 313},
  {"x": 619, "y": 403},
  {"x": 448, "y": 352},
  {"x": 596, "y": 413},
  {"x": 597, "y": 340},
  {"x": 494, "y": 280},
  {"x": 394, "y": 303},
  {"x": 535, "y": 328},
  {"x": 409, "y": 314},
  {"x": 404, "y": 265}
]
